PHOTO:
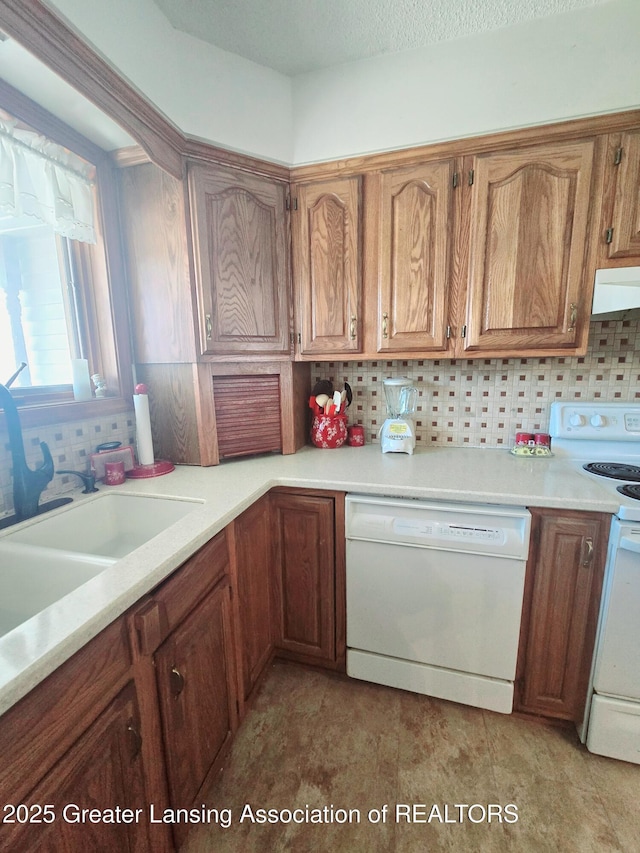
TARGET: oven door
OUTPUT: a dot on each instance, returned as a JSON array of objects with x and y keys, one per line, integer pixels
[
  {"x": 617, "y": 671},
  {"x": 614, "y": 722}
]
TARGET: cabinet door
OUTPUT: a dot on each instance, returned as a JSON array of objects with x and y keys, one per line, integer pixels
[
  {"x": 154, "y": 235},
  {"x": 103, "y": 770},
  {"x": 625, "y": 222},
  {"x": 415, "y": 258},
  {"x": 241, "y": 261},
  {"x": 195, "y": 678},
  {"x": 253, "y": 545},
  {"x": 529, "y": 218},
  {"x": 305, "y": 575},
  {"x": 327, "y": 264},
  {"x": 562, "y": 600}
]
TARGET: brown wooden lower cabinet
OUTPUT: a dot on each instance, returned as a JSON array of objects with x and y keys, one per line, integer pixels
[
  {"x": 186, "y": 652},
  {"x": 196, "y": 691},
  {"x": 77, "y": 741},
  {"x": 251, "y": 538},
  {"x": 561, "y": 602},
  {"x": 102, "y": 771},
  {"x": 140, "y": 717},
  {"x": 309, "y": 575}
]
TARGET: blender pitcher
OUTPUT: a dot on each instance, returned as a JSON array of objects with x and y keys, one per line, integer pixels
[{"x": 397, "y": 434}]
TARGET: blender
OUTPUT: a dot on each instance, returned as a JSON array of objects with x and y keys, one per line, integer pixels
[{"x": 397, "y": 433}]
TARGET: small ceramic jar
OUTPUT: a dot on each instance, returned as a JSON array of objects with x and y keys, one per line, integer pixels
[
  {"x": 114, "y": 473},
  {"x": 355, "y": 435}
]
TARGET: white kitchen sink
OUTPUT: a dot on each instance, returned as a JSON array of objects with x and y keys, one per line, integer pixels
[
  {"x": 110, "y": 525},
  {"x": 32, "y": 578}
]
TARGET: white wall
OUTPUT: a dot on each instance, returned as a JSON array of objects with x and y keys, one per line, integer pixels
[
  {"x": 580, "y": 63},
  {"x": 206, "y": 92}
]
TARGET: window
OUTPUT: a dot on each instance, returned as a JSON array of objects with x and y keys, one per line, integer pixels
[
  {"x": 61, "y": 277},
  {"x": 39, "y": 317}
]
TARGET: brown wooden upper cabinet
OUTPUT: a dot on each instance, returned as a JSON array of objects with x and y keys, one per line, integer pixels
[
  {"x": 327, "y": 266},
  {"x": 240, "y": 246},
  {"x": 415, "y": 246},
  {"x": 529, "y": 217},
  {"x": 621, "y": 224},
  {"x": 482, "y": 255}
]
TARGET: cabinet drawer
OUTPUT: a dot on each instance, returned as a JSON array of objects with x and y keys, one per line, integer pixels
[{"x": 175, "y": 598}]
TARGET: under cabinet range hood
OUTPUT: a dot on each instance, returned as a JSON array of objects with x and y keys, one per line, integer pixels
[{"x": 616, "y": 291}]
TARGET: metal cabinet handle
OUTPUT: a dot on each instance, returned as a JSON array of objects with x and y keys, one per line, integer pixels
[
  {"x": 352, "y": 330},
  {"x": 587, "y": 554},
  {"x": 136, "y": 739},
  {"x": 208, "y": 325},
  {"x": 385, "y": 325},
  {"x": 176, "y": 680},
  {"x": 573, "y": 316}
]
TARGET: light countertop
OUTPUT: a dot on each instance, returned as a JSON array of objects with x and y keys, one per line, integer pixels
[{"x": 478, "y": 475}]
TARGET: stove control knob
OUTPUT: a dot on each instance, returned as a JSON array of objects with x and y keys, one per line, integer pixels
[
  {"x": 597, "y": 421},
  {"x": 576, "y": 420}
]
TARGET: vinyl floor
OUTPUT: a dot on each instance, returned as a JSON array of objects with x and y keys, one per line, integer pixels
[{"x": 341, "y": 750}]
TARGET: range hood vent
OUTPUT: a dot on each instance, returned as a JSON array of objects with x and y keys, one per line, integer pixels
[{"x": 616, "y": 291}]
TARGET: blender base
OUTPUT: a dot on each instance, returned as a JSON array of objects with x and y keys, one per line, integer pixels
[{"x": 397, "y": 435}]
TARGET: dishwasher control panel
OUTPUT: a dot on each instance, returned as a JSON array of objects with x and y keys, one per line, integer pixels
[
  {"x": 448, "y": 532},
  {"x": 498, "y": 530}
]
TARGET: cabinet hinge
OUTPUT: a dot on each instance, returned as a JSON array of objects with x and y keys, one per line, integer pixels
[
  {"x": 608, "y": 237},
  {"x": 471, "y": 174},
  {"x": 292, "y": 203},
  {"x": 454, "y": 180},
  {"x": 617, "y": 157}
]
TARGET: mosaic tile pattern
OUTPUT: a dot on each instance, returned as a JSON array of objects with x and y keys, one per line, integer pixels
[
  {"x": 476, "y": 402},
  {"x": 70, "y": 445},
  {"x": 470, "y": 402}
]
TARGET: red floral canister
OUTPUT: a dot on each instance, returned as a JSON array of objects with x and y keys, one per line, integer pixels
[
  {"x": 355, "y": 435},
  {"x": 329, "y": 430}
]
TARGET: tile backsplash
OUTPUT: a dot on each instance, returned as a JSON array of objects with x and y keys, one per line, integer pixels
[
  {"x": 70, "y": 445},
  {"x": 465, "y": 402},
  {"x": 482, "y": 402}
]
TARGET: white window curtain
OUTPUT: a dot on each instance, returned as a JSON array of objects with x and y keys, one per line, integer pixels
[{"x": 42, "y": 179}]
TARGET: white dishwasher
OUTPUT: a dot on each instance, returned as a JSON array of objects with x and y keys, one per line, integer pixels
[{"x": 434, "y": 596}]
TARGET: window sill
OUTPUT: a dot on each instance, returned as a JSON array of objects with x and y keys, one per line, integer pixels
[{"x": 35, "y": 415}]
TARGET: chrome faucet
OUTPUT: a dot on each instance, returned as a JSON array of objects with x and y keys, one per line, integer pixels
[{"x": 28, "y": 484}]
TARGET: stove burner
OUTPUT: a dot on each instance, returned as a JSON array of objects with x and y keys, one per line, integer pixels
[
  {"x": 615, "y": 471},
  {"x": 630, "y": 490}
]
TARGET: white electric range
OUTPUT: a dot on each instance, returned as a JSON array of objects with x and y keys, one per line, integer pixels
[{"x": 603, "y": 441}]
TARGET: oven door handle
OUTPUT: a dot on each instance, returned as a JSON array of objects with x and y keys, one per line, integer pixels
[{"x": 629, "y": 544}]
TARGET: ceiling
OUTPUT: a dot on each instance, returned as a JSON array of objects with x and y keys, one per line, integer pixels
[{"x": 296, "y": 36}]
